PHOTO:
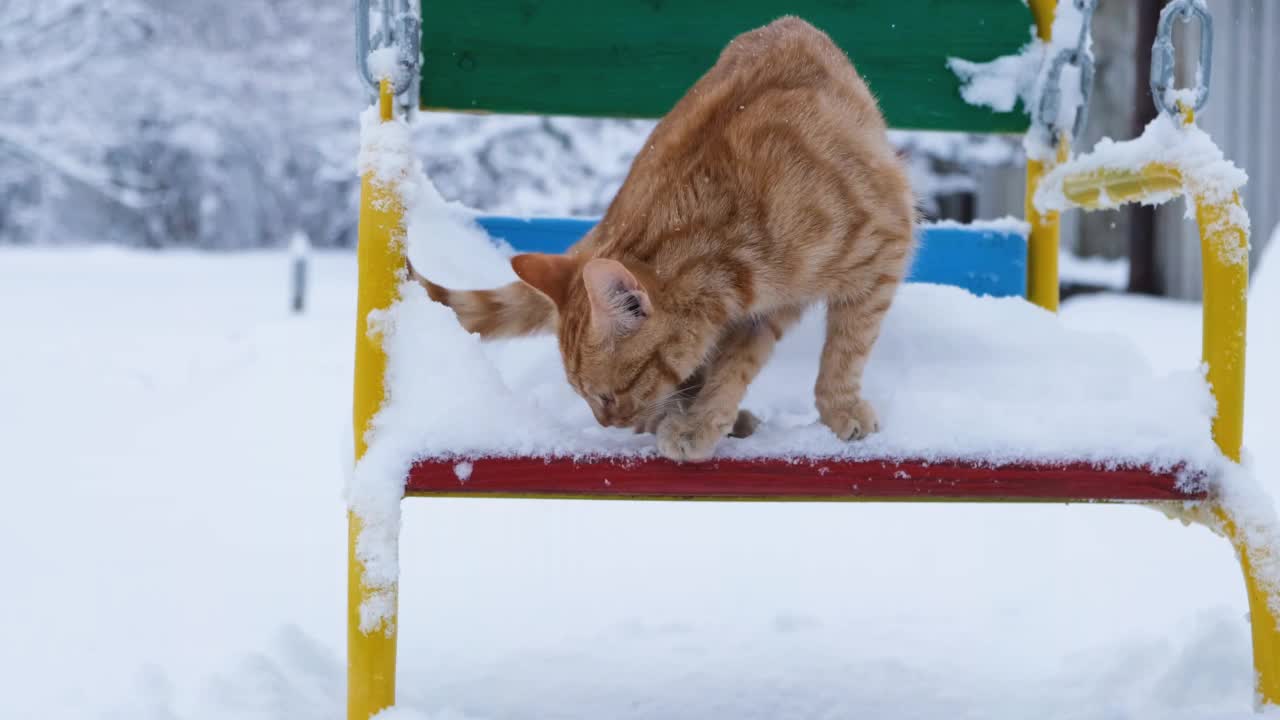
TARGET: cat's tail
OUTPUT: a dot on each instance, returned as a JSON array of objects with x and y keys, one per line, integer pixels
[{"x": 512, "y": 310}]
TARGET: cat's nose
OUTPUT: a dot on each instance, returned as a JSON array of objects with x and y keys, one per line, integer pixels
[{"x": 624, "y": 416}]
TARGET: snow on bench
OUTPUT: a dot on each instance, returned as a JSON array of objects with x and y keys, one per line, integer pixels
[{"x": 962, "y": 385}]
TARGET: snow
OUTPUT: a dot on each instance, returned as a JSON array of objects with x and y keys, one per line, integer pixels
[
  {"x": 1205, "y": 171},
  {"x": 173, "y": 443},
  {"x": 386, "y": 149},
  {"x": 1110, "y": 273},
  {"x": 1006, "y": 225},
  {"x": 1207, "y": 176},
  {"x": 999, "y": 83},
  {"x": 1045, "y": 393},
  {"x": 384, "y": 63},
  {"x": 463, "y": 471}
]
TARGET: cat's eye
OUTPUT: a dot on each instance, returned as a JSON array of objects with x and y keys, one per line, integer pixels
[{"x": 605, "y": 400}]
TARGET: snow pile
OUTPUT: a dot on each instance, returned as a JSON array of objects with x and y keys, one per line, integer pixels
[{"x": 953, "y": 377}]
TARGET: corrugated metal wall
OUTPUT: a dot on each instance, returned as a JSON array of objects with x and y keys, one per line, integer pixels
[{"x": 1244, "y": 118}]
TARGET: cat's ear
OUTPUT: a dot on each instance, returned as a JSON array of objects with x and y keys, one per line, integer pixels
[
  {"x": 619, "y": 303},
  {"x": 548, "y": 274}
]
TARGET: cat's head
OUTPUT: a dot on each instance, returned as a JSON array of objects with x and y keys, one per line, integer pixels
[{"x": 611, "y": 334}]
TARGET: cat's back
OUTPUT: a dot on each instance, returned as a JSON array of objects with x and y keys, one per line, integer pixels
[
  {"x": 792, "y": 67},
  {"x": 787, "y": 78},
  {"x": 778, "y": 156},
  {"x": 788, "y": 52}
]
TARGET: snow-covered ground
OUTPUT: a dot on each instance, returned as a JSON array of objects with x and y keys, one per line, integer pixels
[{"x": 172, "y": 452}]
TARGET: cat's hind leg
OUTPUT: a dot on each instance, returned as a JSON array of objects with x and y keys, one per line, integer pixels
[
  {"x": 852, "y": 328},
  {"x": 714, "y": 413}
]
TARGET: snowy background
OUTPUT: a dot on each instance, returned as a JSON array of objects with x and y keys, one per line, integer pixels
[
  {"x": 163, "y": 123},
  {"x": 173, "y": 443}
]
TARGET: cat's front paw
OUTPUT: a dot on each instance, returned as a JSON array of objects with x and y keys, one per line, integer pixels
[
  {"x": 850, "y": 418},
  {"x": 684, "y": 438},
  {"x": 649, "y": 425}
]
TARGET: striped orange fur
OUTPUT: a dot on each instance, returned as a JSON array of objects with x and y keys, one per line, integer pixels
[{"x": 771, "y": 186}]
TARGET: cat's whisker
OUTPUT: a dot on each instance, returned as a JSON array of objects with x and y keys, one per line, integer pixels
[{"x": 665, "y": 401}]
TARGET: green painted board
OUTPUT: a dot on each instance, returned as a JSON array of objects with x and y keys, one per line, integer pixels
[{"x": 635, "y": 58}]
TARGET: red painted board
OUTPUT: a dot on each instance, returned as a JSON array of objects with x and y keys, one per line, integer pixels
[{"x": 775, "y": 479}]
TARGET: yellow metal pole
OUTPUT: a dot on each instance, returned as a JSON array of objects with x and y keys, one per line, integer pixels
[
  {"x": 1265, "y": 630},
  {"x": 1042, "y": 244},
  {"x": 1042, "y": 11},
  {"x": 1224, "y": 250},
  {"x": 371, "y": 657}
]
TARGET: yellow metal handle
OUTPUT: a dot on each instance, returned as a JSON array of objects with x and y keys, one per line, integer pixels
[{"x": 1109, "y": 187}]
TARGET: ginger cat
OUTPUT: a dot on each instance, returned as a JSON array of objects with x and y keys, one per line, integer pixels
[{"x": 769, "y": 187}]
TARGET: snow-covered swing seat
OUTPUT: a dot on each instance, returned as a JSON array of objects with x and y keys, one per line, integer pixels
[{"x": 982, "y": 395}]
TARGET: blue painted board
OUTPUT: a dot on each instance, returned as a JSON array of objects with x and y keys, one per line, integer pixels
[{"x": 980, "y": 260}]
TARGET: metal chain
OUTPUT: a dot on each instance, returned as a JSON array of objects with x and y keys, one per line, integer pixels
[
  {"x": 401, "y": 29},
  {"x": 1051, "y": 98},
  {"x": 1162, "y": 55}
]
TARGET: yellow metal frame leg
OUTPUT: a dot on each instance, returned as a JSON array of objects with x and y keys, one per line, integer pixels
[
  {"x": 1263, "y": 621},
  {"x": 371, "y": 657},
  {"x": 1042, "y": 244},
  {"x": 1224, "y": 251}
]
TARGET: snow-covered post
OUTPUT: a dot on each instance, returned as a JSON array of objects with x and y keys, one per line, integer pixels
[
  {"x": 371, "y": 601},
  {"x": 299, "y": 253},
  {"x": 373, "y": 527},
  {"x": 1042, "y": 242}
]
